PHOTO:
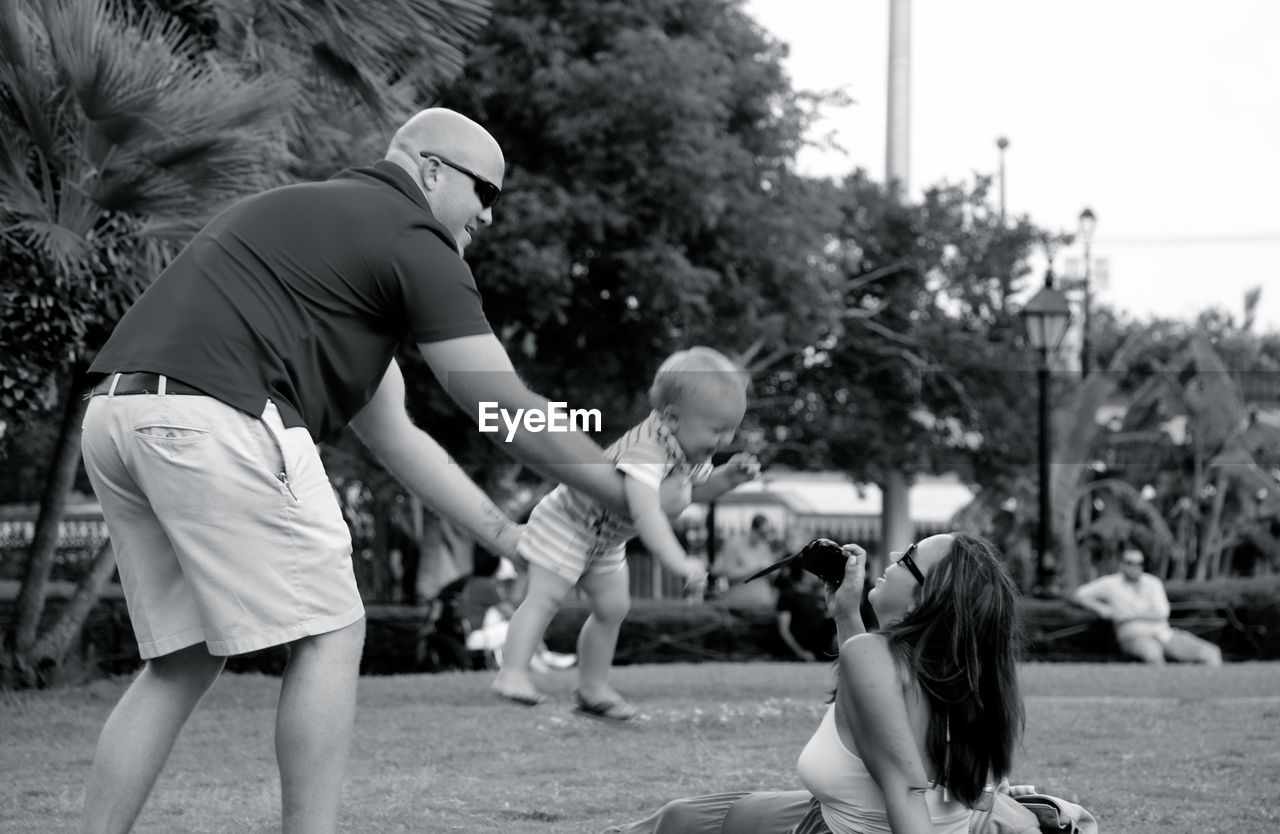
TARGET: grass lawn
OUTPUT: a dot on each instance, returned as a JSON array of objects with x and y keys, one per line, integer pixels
[{"x": 1173, "y": 749}]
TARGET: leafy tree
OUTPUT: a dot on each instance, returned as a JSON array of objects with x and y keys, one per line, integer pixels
[
  {"x": 649, "y": 201},
  {"x": 922, "y": 372}
]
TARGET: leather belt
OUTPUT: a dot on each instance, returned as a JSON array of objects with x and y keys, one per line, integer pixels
[{"x": 142, "y": 383}]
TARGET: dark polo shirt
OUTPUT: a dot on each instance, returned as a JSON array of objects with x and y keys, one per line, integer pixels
[{"x": 301, "y": 295}]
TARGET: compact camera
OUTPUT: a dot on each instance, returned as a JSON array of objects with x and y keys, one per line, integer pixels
[{"x": 821, "y": 557}]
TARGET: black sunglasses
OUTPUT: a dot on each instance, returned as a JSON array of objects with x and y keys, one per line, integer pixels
[
  {"x": 486, "y": 192},
  {"x": 910, "y": 564}
]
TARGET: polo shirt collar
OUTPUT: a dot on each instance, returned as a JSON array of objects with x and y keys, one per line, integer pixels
[
  {"x": 399, "y": 179},
  {"x": 393, "y": 175}
]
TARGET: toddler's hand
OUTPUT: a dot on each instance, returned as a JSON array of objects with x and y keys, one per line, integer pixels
[{"x": 743, "y": 467}]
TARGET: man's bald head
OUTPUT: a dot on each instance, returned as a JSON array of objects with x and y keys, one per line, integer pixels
[
  {"x": 455, "y": 162},
  {"x": 452, "y": 134}
]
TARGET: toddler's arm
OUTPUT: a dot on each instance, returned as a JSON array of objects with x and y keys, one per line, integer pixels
[
  {"x": 655, "y": 530},
  {"x": 740, "y": 468}
]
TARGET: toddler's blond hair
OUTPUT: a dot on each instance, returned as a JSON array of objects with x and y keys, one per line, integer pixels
[{"x": 693, "y": 371}]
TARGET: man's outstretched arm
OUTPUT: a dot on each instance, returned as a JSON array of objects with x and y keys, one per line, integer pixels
[
  {"x": 475, "y": 370},
  {"x": 424, "y": 467}
]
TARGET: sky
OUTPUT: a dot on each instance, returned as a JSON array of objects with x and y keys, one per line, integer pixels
[{"x": 1162, "y": 116}]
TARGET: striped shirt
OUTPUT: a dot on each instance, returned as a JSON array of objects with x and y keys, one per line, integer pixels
[{"x": 647, "y": 452}]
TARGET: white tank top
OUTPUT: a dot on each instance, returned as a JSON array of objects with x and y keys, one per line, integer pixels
[{"x": 851, "y": 800}]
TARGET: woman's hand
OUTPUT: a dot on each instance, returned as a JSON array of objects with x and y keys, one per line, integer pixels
[{"x": 843, "y": 600}]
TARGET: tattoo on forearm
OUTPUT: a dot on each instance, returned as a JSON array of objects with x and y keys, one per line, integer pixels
[{"x": 500, "y": 529}]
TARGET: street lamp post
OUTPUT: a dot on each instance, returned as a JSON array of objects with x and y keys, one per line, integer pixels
[
  {"x": 1046, "y": 317},
  {"x": 1088, "y": 220}
]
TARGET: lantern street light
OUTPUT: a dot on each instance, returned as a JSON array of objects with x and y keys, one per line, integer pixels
[
  {"x": 1046, "y": 317},
  {"x": 1087, "y": 223}
]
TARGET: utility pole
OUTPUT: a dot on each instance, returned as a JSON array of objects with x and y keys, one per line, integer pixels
[
  {"x": 1006, "y": 276},
  {"x": 896, "y": 530},
  {"x": 1002, "y": 144},
  {"x": 898, "y": 144}
]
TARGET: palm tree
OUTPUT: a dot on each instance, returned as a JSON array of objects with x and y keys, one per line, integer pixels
[
  {"x": 389, "y": 58},
  {"x": 1190, "y": 501},
  {"x": 1217, "y": 486},
  {"x": 121, "y": 131},
  {"x": 113, "y": 137}
]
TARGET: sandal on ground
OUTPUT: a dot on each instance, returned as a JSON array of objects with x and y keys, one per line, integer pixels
[
  {"x": 534, "y": 700},
  {"x": 618, "y": 710}
]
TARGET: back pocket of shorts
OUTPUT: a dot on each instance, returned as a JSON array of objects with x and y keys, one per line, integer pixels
[
  {"x": 171, "y": 433},
  {"x": 169, "y": 439}
]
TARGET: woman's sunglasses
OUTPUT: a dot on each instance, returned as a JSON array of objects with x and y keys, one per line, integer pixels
[
  {"x": 486, "y": 192},
  {"x": 910, "y": 564}
]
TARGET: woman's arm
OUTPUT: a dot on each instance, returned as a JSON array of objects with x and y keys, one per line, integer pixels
[{"x": 870, "y": 696}]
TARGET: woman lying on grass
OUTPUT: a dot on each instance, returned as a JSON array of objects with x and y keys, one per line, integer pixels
[{"x": 926, "y": 711}]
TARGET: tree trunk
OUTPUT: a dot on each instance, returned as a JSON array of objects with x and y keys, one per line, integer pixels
[
  {"x": 52, "y": 647},
  {"x": 1064, "y": 484},
  {"x": 53, "y": 505}
]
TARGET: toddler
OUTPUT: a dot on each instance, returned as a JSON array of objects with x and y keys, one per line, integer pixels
[{"x": 698, "y": 399}]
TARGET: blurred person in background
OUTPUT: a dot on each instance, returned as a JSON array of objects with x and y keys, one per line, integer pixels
[
  {"x": 742, "y": 556},
  {"x": 1135, "y": 603},
  {"x": 803, "y": 621}
]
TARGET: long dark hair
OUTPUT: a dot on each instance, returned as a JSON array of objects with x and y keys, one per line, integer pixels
[{"x": 962, "y": 642}]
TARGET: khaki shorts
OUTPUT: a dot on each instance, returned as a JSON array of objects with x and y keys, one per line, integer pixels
[{"x": 225, "y": 527}]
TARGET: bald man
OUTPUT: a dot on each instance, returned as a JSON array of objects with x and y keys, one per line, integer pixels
[{"x": 271, "y": 331}]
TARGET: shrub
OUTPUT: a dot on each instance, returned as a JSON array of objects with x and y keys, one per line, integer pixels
[{"x": 1240, "y": 615}]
